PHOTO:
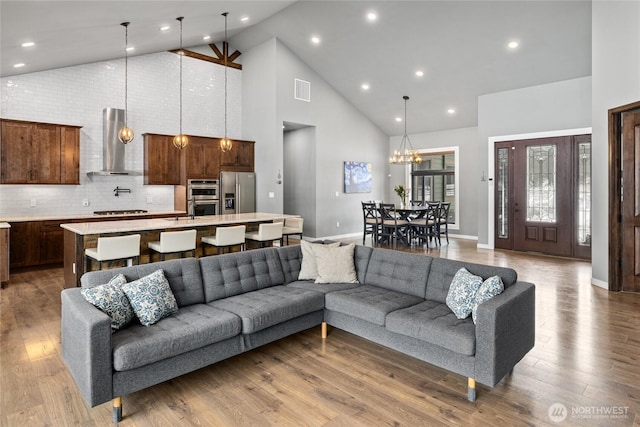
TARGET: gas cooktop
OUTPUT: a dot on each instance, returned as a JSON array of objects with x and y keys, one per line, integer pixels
[{"x": 120, "y": 212}]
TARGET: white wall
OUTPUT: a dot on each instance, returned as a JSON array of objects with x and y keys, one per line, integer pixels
[
  {"x": 615, "y": 82},
  {"x": 77, "y": 95},
  {"x": 469, "y": 173},
  {"x": 342, "y": 134}
]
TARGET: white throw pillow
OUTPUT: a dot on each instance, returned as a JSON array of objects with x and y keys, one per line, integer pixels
[
  {"x": 309, "y": 266},
  {"x": 335, "y": 264}
]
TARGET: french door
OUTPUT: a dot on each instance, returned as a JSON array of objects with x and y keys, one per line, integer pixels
[{"x": 543, "y": 195}]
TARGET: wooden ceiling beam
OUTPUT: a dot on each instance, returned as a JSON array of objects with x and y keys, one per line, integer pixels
[{"x": 218, "y": 59}]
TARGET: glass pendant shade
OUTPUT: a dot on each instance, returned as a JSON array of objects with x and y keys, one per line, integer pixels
[
  {"x": 125, "y": 135},
  {"x": 180, "y": 141},
  {"x": 225, "y": 145}
]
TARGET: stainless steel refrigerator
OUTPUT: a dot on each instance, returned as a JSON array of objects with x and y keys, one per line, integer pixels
[{"x": 238, "y": 192}]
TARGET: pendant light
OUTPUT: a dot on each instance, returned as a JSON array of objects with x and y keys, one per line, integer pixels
[
  {"x": 225, "y": 143},
  {"x": 125, "y": 135},
  {"x": 405, "y": 154},
  {"x": 181, "y": 140}
]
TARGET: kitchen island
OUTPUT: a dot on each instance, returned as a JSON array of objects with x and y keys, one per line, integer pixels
[{"x": 79, "y": 236}]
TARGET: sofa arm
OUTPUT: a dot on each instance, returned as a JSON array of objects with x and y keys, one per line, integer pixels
[
  {"x": 86, "y": 346},
  {"x": 505, "y": 332}
]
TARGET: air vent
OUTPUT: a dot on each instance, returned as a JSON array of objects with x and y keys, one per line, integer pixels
[{"x": 302, "y": 90}]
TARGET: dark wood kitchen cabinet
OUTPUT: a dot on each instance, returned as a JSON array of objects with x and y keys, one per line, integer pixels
[
  {"x": 39, "y": 153},
  {"x": 161, "y": 160},
  {"x": 202, "y": 158},
  {"x": 240, "y": 158}
]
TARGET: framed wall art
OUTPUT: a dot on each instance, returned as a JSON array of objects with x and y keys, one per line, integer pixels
[{"x": 357, "y": 177}]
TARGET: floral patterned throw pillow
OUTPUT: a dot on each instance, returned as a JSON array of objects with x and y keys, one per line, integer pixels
[
  {"x": 110, "y": 299},
  {"x": 462, "y": 293},
  {"x": 151, "y": 297},
  {"x": 490, "y": 288}
]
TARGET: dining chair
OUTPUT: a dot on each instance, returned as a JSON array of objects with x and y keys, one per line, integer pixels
[
  {"x": 226, "y": 238},
  {"x": 422, "y": 225},
  {"x": 416, "y": 202},
  {"x": 174, "y": 242},
  {"x": 371, "y": 220},
  {"x": 392, "y": 227},
  {"x": 442, "y": 221},
  {"x": 114, "y": 249}
]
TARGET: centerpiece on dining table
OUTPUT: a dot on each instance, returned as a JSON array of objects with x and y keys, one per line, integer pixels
[{"x": 402, "y": 193}]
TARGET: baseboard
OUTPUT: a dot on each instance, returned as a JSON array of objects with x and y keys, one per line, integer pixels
[
  {"x": 462, "y": 236},
  {"x": 600, "y": 283},
  {"x": 484, "y": 246}
]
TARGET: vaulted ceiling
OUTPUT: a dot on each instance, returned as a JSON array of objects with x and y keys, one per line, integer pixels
[{"x": 461, "y": 47}]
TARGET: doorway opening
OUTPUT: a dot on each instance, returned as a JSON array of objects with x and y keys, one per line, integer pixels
[
  {"x": 624, "y": 198},
  {"x": 542, "y": 195}
]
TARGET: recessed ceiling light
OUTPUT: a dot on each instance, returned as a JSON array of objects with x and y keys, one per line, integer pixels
[
  {"x": 165, "y": 28},
  {"x": 398, "y": 119},
  {"x": 315, "y": 40},
  {"x": 419, "y": 73},
  {"x": 365, "y": 86},
  {"x": 372, "y": 16},
  {"x": 244, "y": 19},
  {"x": 28, "y": 44},
  {"x": 130, "y": 48},
  {"x": 513, "y": 45},
  {"x": 18, "y": 65},
  {"x": 206, "y": 37},
  {"x": 451, "y": 110}
]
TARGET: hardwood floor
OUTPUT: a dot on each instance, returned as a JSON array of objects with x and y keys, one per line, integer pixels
[{"x": 586, "y": 358}]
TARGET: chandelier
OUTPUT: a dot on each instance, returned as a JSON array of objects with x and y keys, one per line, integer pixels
[
  {"x": 405, "y": 154},
  {"x": 181, "y": 140},
  {"x": 125, "y": 135},
  {"x": 225, "y": 143}
]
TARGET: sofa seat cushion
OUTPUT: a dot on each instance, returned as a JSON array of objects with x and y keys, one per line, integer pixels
[
  {"x": 190, "y": 328},
  {"x": 322, "y": 287},
  {"x": 270, "y": 306},
  {"x": 369, "y": 303},
  {"x": 434, "y": 323}
]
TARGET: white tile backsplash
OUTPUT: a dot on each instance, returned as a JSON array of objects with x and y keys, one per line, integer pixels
[{"x": 77, "y": 95}]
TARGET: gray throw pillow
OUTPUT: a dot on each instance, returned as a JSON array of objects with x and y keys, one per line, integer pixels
[
  {"x": 151, "y": 297},
  {"x": 309, "y": 266},
  {"x": 462, "y": 293},
  {"x": 111, "y": 299},
  {"x": 335, "y": 264}
]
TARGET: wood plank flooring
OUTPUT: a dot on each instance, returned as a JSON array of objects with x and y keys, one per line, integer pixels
[{"x": 586, "y": 358}]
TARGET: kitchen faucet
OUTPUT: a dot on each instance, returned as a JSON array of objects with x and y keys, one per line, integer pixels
[{"x": 119, "y": 190}]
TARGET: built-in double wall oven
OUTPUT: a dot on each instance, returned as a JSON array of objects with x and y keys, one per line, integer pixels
[{"x": 203, "y": 197}]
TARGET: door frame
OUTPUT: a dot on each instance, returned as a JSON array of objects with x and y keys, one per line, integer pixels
[
  {"x": 615, "y": 193},
  {"x": 491, "y": 168}
]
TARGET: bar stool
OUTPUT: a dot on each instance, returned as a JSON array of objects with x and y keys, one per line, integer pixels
[
  {"x": 292, "y": 227},
  {"x": 267, "y": 232},
  {"x": 226, "y": 237},
  {"x": 174, "y": 241},
  {"x": 115, "y": 248}
]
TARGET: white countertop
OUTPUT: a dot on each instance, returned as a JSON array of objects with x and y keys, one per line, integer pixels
[
  {"x": 132, "y": 225},
  {"x": 63, "y": 217},
  {"x": 5, "y": 225}
]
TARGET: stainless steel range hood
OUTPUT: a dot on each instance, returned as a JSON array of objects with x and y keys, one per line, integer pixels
[{"x": 113, "y": 150}]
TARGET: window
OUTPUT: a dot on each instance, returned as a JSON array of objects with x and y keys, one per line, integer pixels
[{"x": 435, "y": 179}]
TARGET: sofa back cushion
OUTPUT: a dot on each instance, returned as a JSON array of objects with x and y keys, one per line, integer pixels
[
  {"x": 443, "y": 270},
  {"x": 398, "y": 271},
  {"x": 183, "y": 276},
  {"x": 291, "y": 259},
  {"x": 237, "y": 273}
]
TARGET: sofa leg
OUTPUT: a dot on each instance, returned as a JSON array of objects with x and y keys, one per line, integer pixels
[
  {"x": 117, "y": 409},
  {"x": 471, "y": 390},
  {"x": 324, "y": 330}
]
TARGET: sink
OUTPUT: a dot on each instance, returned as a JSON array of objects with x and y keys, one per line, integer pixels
[
  {"x": 179, "y": 218},
  {"x": 120, "y": 212}
]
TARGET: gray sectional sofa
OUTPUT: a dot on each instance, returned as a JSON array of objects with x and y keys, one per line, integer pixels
[{"x": 232, "y": 303}]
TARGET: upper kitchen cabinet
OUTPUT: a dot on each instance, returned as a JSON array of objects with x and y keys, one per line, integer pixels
[
  {"x": 39, "y": 153},
  {"x": 202, "y": 158},
  {"x": 161, "y": 160},
  {"x": 240, "y": 158}
]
